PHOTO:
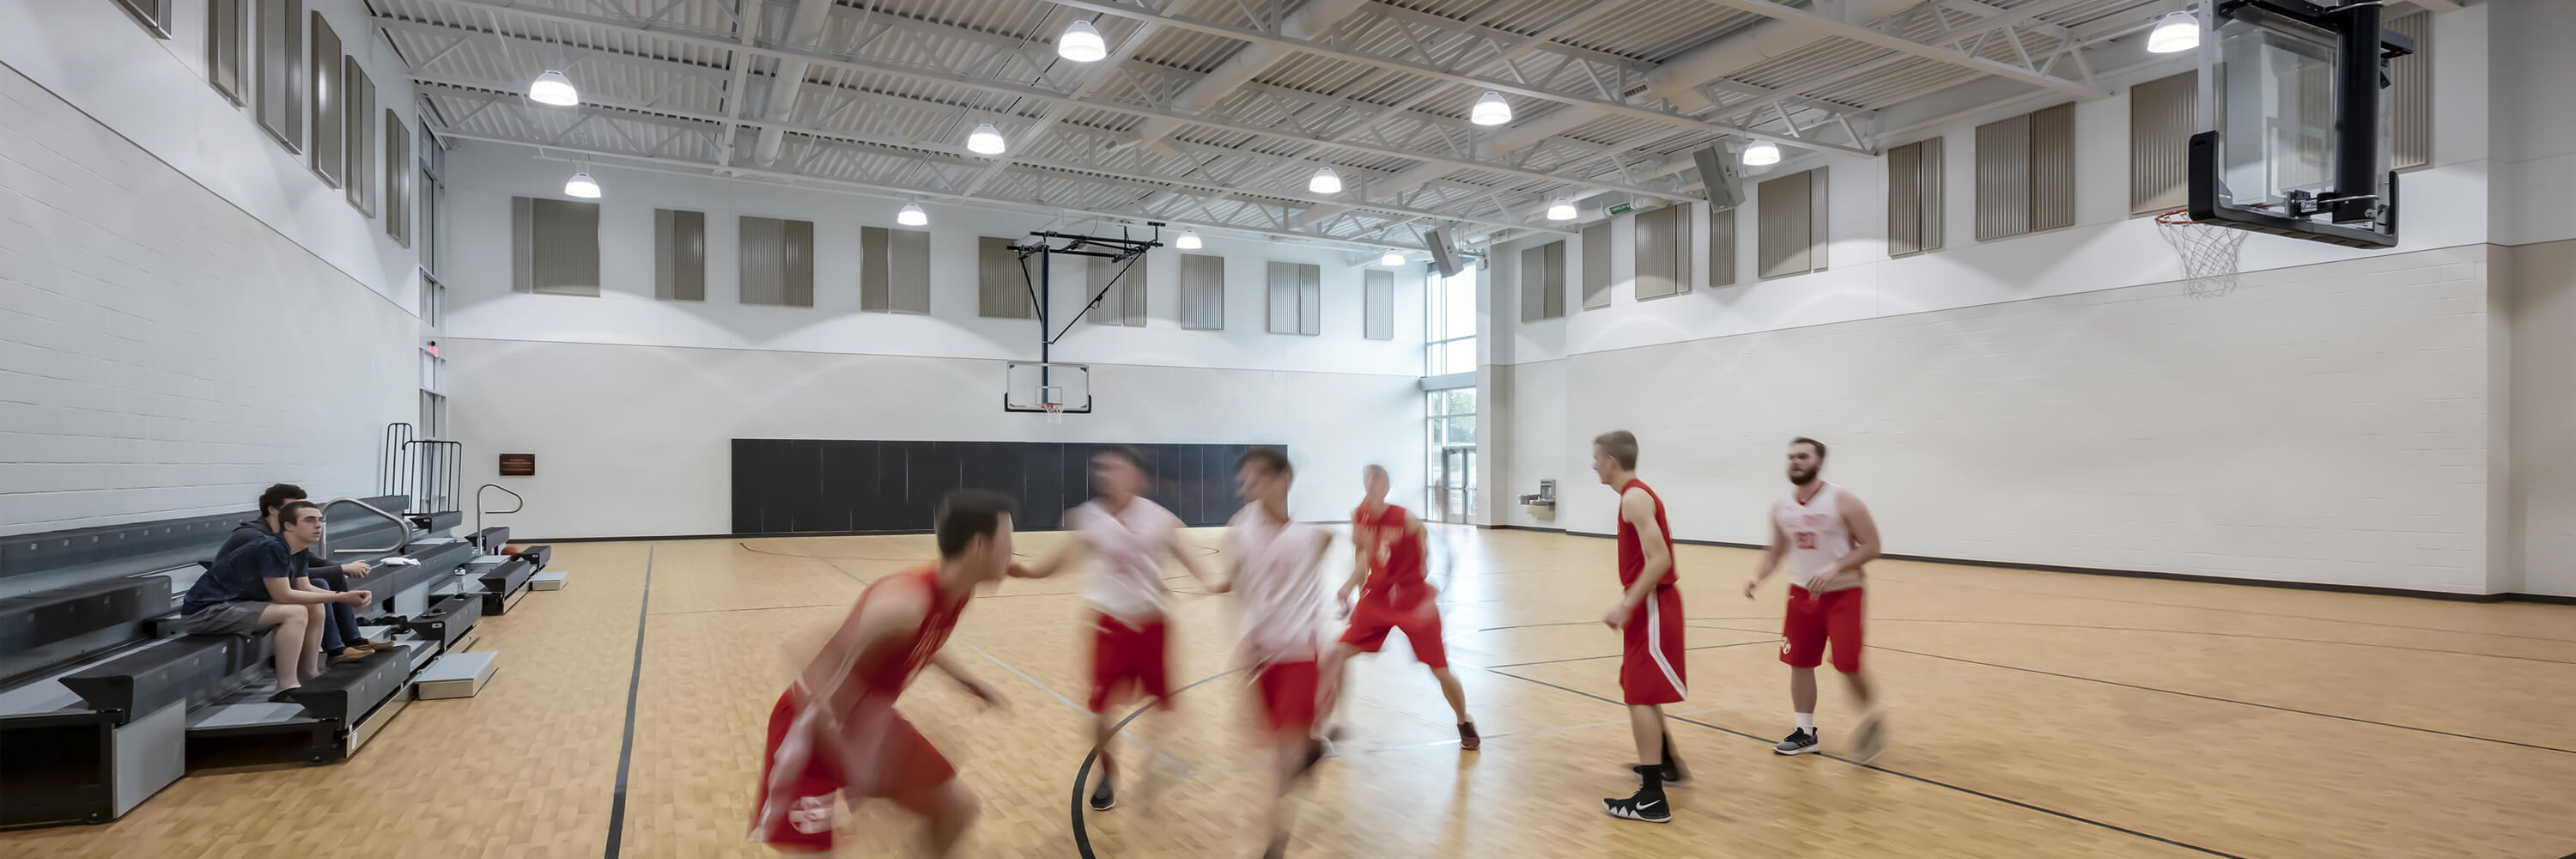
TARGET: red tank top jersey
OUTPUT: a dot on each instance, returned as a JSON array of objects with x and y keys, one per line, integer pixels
[
  {"x": 1632, "y": 556},
  {"x": 881, "y": 670},
  {"x": 1395, "y": 570}
]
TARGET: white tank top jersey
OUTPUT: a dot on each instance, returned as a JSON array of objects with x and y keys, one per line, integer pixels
[
  {"x": 1818, "y": 539},
  {"x": 1284, "y": 600},
  {"x": 1126, "y": 546}
]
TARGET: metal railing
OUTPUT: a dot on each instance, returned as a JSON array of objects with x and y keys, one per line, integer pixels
[
  {"x": 517, "y": 504},
  {"x": 402, "y": 530}
]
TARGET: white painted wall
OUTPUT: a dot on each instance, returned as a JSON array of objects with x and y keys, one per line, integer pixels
[
  {"x": 2534, "y": 131},
  {"x": 2543, "y": 482},
  {"x": 186, "y": 313},
  {"x": 630, "y": 402},
  {"x": 635, "y": 440},
  {"x": 2055, "y": 398},
  {"x": 481, "y": 305}
]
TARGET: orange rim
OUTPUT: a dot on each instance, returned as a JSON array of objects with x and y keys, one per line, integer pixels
[{"x": 2177, "y": 217}]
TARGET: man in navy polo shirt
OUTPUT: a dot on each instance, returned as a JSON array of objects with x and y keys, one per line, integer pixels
[
  {"x": 341, "y": 637},
  {"x": 251, "y": 590}
]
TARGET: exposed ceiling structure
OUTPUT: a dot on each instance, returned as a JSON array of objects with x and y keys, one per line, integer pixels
[{"x": 1214, "y": 114}]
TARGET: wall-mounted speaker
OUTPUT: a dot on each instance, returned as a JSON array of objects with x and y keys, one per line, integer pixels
[
  {"x": 1444, "y": 252},
  {"x": 1725, "y": 187}
]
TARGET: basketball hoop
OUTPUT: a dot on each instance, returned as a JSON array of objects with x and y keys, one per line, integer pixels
[
  {"x": 1054, "y": 412},
  {"x": 2208, "y": 252}
]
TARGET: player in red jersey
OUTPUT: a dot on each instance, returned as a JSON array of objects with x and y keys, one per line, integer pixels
[
  {"x": 1649, "y": 619},
  {"x": 836, "y": 731},
  {"x": 1394, "y": 595},
  {"x": 1129, "y": 535},
  {"x": 1827, "y": 536},
  {"x": 1275, "y": 560}
]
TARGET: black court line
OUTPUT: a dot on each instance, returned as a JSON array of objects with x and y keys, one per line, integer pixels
[
  {"x": 2191, "y": 695},
  {"x": 1081, "y": 832},
  {"x": 634, "y": 679},
  {"x": 1616, "y": 655},
  {"x": 753, "y": 608},
  {"x": 2230, "y": 610},
  {"x": 1910, "y": 776}
]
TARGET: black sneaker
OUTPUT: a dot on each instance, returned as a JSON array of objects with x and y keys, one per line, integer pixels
[
  {"x": 1104, "y": 797},
  {"x": 1314, "y": 752},
  {"x": 1674, "y": 775},
  {"x": 1646, "y": 806},
  {"x": 1799, "y": 742}
]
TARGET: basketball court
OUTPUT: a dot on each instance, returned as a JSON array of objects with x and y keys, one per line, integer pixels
[{"x": 2200, "y": 362}]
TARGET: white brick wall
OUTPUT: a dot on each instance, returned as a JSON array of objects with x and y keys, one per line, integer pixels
[
  {"x": 2327, "y": 423},
  {"x": 163, "y": 353}
]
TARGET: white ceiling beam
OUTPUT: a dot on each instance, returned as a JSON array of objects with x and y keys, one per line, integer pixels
[
  {"x": 1430, "y": 71},
  {"x": 1037, "y": 93},
  {"x": 1092, "y": 79},
  {"x": 613, "y": 109},
  {"x": 1938, "y": 53},
  {"x": 898, "y": 192}
]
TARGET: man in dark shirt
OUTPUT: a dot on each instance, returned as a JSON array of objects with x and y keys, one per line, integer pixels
[
  {"x": 250, "y": 591},
  {"x": 341, "y": 637}
]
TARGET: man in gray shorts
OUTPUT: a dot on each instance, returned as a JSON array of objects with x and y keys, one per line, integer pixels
[{"x": 251, "y": 590}]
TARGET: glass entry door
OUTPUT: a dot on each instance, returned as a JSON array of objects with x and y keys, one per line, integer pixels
[{"x": 1453, "y": 486}]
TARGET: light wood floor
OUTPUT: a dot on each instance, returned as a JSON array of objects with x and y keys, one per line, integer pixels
[{"x": 2035, "y": 714}]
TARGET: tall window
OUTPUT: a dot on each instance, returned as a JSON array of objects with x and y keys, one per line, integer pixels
[
  {"x": 1450, "y": 413},
  {"x": 1450, "y": 346}
]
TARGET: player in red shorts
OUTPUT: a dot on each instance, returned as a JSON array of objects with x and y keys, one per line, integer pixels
[
  {"x": 1394, "y": 595},
  {"x": 1826, "y": 534},
  {"x": 1275, "y": 561},
  {"x": 1130, "y": 536},
  {"x": 836, "y": 731},
  {"x": 1649, "y": 620}
]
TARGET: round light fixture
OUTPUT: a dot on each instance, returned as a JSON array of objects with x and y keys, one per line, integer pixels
[
  {"x": 912, "y": 215},
  {"x": 553, "y": 88},
  {"x": 986, "y": 140},
  {"x": 1760, "y": 153},
  {"x": 1325, "y": 181},
  {"x": 1393, "y": 258},
  {"x": 2174, "y": 33},
  {"x": 1189, "y": 240},
  {"x": 581, "y": 185},
  {"x": 1490, "y": 109},
  {"x": 1561, "y": 210},
  {"x": 1081, "y": 43}
]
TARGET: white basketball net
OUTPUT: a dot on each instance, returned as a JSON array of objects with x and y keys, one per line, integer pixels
[
  {"x": 2208, "y": 252},
  {"x": 1053, "y": 403}
]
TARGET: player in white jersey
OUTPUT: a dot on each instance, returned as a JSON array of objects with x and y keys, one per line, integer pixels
[
  {"x": 1826, "y": 534},
  {"x": 1129, "y": 536},
  {"x": 1284, "y": 607}
]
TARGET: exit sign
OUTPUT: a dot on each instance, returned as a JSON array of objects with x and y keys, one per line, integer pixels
[{"x": 1620, "y": 209}]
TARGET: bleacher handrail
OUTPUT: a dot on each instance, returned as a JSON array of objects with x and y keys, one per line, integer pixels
[
  {"x": 402, "y": 529},
  {"x": 518, "y": 505}
]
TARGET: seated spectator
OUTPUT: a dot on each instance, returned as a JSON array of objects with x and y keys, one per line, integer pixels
[
  {"x": 341, "y": 638},
  {"x": 250, "y": 590}
]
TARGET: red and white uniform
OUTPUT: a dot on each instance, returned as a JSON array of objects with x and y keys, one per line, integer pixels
[
  {"x": 1818, "y": 540},
  {"x": 1651, "y": 669},
  {"x": 1126, "y": 593},
  {"x": 1396, "y": 594},
  {"x": 1284, "y": 609},
  {"x": 857, "y": 745}
]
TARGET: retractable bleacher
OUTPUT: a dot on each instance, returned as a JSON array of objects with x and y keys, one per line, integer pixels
[{"x": 100, "y": 707}]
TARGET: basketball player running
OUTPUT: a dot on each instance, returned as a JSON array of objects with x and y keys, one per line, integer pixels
[
  {"x": 1130, "y": 535},
  {"x": 1649, "y": 619},
  {"x": 1826, "y": 534},
  {"x": 836, "y": 729},
  {"x": 1275, "y": 562},
  {"x": 1387, "y": 570}
]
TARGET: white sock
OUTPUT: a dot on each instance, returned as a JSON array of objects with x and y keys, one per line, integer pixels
[{"x": 1807, "y": 722}]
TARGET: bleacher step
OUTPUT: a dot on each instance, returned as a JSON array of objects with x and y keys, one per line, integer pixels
[
  {"x": 455, "y": 675},
  {"x": 550, "y": 580}
]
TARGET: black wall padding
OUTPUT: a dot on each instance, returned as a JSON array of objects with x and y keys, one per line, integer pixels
[{"x": 783, "y": 486}]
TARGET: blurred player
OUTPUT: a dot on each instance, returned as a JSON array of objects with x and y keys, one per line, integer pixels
[
  {"x": 1827, "y": 534},
  {"x": 1129, "y": 535},
  {"x": 1649, "y": 619},
  {"x": 836, "y": 729},
  {"x": 1275, "y": 562},
  {"x": 1387, "y": 570}
]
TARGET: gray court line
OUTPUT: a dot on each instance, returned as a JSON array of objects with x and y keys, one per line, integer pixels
[
  {"x": 1906, "y": 775},
  {"x": 634, "y": 680},
  {"x": 1616, "y": 655},
  {"x": 1174, "y": 762},
  {"x": 2197, "y": 695}
]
